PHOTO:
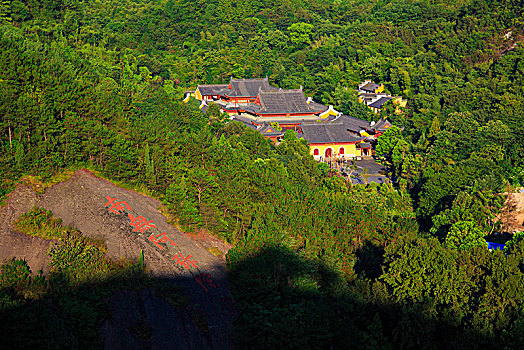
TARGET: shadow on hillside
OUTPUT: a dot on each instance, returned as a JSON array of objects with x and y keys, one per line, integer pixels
[
  {"x": 282, "y": 301},
  {"x": 289, "y": 302},
  {"x": 369, "y": 260},
  {"x": 128, "y": 311}
]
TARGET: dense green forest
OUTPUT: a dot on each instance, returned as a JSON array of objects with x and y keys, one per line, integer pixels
[{"x": 318, "y": 262}]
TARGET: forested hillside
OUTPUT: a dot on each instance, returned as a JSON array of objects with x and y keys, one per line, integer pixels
[{"x": 317, "y": 263}]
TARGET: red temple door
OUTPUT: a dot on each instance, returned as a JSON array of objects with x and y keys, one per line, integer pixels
[{"x": 328, "y": 153}]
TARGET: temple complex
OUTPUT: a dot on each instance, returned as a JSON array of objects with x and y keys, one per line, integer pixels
[{"x": 272, "y": 111}]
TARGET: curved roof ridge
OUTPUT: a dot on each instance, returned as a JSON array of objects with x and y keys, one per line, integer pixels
[
  {"x": 244, "y": 79},
  {"x": 282, "y": 90}
]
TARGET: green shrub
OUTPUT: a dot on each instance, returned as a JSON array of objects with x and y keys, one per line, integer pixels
[{"x": 40, "y": 223}]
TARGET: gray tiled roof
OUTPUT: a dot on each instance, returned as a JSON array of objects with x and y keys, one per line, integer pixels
[
  {"x": 329, "y": 132},
  {"x": 380, "y": 102},
  {"x": 286, "y": 101},
  {"x": 211, "y": 89},
  {"x": 353, "y": 124},
  {"x": 248, "y": 87},
  {"x": 371, "y": 87}
]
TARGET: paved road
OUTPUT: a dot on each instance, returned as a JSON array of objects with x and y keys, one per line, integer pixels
[{"x": 374, "y": 173}]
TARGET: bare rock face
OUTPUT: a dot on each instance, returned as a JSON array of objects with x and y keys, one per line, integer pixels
[
  {"x": 512, "y": 214},
  {"x": 129, "y": 223},
  {"x": 15, "y": 244}
]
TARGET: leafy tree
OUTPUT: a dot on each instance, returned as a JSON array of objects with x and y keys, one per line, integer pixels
[
  {"x": 461, "y": 122},
  {"x": 464, "y": 235},
  {"x": 388, "y": 141},
  {"x": 510, "y": 246},
  {"x": 300, "y": 34}
]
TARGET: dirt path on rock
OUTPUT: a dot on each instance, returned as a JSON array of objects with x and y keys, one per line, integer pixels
[{"x": 128, "y": 223}]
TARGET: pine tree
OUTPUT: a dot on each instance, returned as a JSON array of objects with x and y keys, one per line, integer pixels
[
  {"x": 435, "y": 127},
  {"x": 148, "y": 163},
  {"x": 19, "y": 155}
]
